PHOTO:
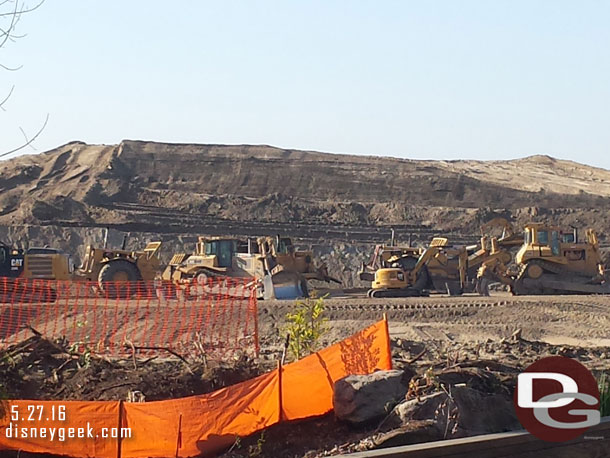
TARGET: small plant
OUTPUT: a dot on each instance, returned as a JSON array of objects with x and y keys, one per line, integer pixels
[
  {"x": 604, "y": 395},
  {"x": 257, "y": 450},
  {"x": 84, "y": 354},
  {"x": 306, "y": 325}
]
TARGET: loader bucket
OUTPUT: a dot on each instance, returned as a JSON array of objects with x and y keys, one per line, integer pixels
[{"x": 284, "y": 285}]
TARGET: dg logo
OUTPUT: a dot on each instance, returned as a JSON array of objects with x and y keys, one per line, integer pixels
[{"x": 557, "y": 399}]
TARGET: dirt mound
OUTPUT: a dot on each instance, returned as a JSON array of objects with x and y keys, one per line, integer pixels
[{"x": 147, "y": 183}]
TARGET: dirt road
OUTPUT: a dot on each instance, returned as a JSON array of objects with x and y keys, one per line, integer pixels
[{"x": 558, "y": 320}]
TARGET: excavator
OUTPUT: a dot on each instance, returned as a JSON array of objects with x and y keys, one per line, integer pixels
[
  {"x": 552, "y": 261},
  {"x": 404, "y": 274},
  {"x": 440, "y": 267}
]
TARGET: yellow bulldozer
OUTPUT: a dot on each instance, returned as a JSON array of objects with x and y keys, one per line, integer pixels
[
  {"x": 280, "y": 271},
  {"x": 552, "y": 261}
]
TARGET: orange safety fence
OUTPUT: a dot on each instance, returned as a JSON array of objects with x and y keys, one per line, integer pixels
[
  {"x": 204, "y": 424},
  {"x": 217, "y": 316}
]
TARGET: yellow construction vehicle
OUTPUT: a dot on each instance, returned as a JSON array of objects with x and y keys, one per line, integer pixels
[
  {"x": 552, "y": 261},
  {"x": 407, "y": 275},
  {"x": 35, "y": 263},
  {"x": 509, "y": 237},
  {"x": 114, "y": 269},
  {"x": 300, "y": 261},
  {"x": 218, "y": 256},
  {"x": 382, "y": 254}
]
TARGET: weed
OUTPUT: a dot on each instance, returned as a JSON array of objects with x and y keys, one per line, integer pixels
[
  {"x": 257, "y": 450},
  {"x": 306, "y": 325},
  {"x": 604, "y": 394}
]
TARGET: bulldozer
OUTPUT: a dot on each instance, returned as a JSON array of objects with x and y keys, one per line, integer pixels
[
  {"x": 222, "y": 257},
  {"x": 440, "y": 267},
  {"x": 114, "y": 269},
  {"x": 300, "y": 261},
  {"x": 552, "y": 261}
]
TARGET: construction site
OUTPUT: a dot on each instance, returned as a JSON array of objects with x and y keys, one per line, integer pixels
[{"x": 213, "y": 298}]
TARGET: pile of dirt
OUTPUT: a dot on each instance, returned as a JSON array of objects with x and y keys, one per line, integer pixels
[{"x": 159, "y": 187}]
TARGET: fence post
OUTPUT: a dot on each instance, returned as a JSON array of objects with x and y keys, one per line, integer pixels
[
  {"x": 254, "y": 301},
  {"x": 280, "y": 392},
  {"x": 387, "y": 330},
  {"x": 119, "y": 435}
]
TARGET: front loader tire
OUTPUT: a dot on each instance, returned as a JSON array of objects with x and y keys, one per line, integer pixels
[{"x": 117, "y": 279}]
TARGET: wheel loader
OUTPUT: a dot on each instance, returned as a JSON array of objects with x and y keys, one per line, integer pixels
[
  {"x": 220, "y": 257},
  {"x": 35, "y": 264},
  {"x": 552, "y": 261}
]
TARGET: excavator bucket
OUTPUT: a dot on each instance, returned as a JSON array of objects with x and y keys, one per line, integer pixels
[{"x": 284, "y": 285}]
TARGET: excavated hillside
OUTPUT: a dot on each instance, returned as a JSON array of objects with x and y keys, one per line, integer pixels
[{"x": 177, "y": 191}]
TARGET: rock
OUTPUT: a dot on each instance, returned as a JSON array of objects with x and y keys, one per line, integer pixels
[
  {"x": 361, "y": 398},
  {"x": 471, "y": 412}
]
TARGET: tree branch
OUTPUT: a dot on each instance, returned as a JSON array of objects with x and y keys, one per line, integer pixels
[{"x": 28, "y": 142}]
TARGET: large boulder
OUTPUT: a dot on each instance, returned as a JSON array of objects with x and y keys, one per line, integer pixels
[{"x": 361, "y": 398}]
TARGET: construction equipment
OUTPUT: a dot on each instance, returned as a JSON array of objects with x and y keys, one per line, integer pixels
[
  {"x": 509, "y": 236},
  {"x": 407, "y": 275},
  {"x": 114, "y": 270},
  {"x": 552, "y": 261},
  {"x": 381, "y": 259},
  {"x": 34, "y": 264},
  {"x": 300, "y": 261},
  {"x": 217, "y": 256}
]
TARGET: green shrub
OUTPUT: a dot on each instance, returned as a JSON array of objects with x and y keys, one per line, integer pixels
[{"x": 306, "y": 325}]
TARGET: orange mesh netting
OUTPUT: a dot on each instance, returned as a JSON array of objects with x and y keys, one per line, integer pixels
[{"x": 211, "y": 422}]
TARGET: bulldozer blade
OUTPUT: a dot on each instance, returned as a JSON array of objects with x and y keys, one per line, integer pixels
[{"x": 283, "y": 285}]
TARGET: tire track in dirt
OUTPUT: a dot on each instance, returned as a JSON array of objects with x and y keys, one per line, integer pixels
[{"x": 556, "y": 319}]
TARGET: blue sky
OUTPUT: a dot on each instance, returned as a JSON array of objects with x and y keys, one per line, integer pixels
[{"x": 426, "y": 79}]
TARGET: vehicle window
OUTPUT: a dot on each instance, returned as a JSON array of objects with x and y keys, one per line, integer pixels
[
  {"x": 543, "y": 237},
  {"x": 226, "y": 253},
  {"x": 527, "y": 237},
  {"x": 555, "y": 243},
  {"x": 210, "y": 248}
]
